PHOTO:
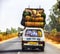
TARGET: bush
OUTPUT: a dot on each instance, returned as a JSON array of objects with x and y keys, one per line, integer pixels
[
  {"x": 5, "y": 36},
  {"x": 54, "y": 32}
]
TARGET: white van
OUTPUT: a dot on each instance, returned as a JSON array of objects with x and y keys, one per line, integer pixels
[{"x": 33, "y": 39}]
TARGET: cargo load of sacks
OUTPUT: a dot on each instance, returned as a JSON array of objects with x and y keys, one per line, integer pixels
[{"x": 32, "y": 17}]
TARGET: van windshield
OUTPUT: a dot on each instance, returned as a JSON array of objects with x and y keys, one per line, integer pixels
[{"x": 33, "y": 33}]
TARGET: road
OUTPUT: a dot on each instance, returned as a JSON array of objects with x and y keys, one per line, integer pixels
[{"x": 15, "y": 44}]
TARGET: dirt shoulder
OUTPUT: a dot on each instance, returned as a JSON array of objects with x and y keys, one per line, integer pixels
[{"x": 54, "y": 43}]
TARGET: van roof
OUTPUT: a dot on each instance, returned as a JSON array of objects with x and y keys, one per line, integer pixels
[{"x": 33, "y": 28}]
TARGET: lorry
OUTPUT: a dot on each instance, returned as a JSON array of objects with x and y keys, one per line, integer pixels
[{"x": 33, "y": 20}]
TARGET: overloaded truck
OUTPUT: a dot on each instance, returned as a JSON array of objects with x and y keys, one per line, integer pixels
[{"x": 33, "y": 20}]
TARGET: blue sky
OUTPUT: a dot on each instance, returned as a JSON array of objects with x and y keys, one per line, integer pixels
[{"x": 11, "y": 11}]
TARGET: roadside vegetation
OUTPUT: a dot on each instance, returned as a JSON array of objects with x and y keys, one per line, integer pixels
[
  {"x": 8, "y": 34},
  {"x": 52, "y": 30},
  {"x": 53, "y": 35}
]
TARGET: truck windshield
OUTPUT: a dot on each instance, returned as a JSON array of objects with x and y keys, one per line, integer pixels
[{"x": 33, "y": 33}]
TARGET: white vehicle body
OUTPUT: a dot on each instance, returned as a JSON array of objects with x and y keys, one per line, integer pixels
[
  {"x": 41, "y": 38},
  {"x": 40, "y": 41}
]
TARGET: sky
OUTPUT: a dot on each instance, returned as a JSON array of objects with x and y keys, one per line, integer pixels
[{"x": 11, "y": 11}]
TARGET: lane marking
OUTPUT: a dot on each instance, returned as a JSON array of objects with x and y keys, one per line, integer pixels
[{"x": 18, "y": 52}]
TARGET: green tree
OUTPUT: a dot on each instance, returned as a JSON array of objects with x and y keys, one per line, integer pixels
[
  {"x": 20, "y": 29},
  {"x": 13, "y": 30},
  {"x": 55, "y": 16},
  {"x": 8, "y": 31},
  {"x": 0, "y": 31},
  {"x": 47, "y": 28}
]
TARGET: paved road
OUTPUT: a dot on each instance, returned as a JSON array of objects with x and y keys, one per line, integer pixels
[{"x": 16, "y": 45}]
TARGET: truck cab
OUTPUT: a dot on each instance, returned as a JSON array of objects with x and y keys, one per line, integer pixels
[{"x": 33, "y": 39}]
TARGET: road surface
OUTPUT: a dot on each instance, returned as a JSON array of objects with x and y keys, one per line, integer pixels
[{"x": 15, "y": 44}]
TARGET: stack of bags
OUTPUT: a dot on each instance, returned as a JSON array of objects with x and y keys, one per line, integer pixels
[{"x": 33, "y": 17}]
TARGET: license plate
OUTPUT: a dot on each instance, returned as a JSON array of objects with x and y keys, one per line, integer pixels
[{"x": 33, "y": 43}]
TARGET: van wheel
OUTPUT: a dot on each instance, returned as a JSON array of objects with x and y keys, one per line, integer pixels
[
  {"x": 42, "y": 49},
  {"x": 22, "y": 47}
]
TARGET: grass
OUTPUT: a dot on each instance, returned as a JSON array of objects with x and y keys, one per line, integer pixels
[{"x": 7, "y": 36}]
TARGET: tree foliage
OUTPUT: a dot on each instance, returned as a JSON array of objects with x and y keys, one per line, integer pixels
[
  {"x": 8, "y": 31},
  {"x": 55, "y": 16},
  {"x": 13, "y": 30},
  {"x": 47, "y": 27}
]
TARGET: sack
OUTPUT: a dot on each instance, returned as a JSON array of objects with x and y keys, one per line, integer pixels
[
  {"x": 28, "y": 18},
  {"x": 33, "y": 17},
  {"x": 36, "y": 19},
  {"x": 34, "y": 24},
  {"x": 39, "y": 19}
]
